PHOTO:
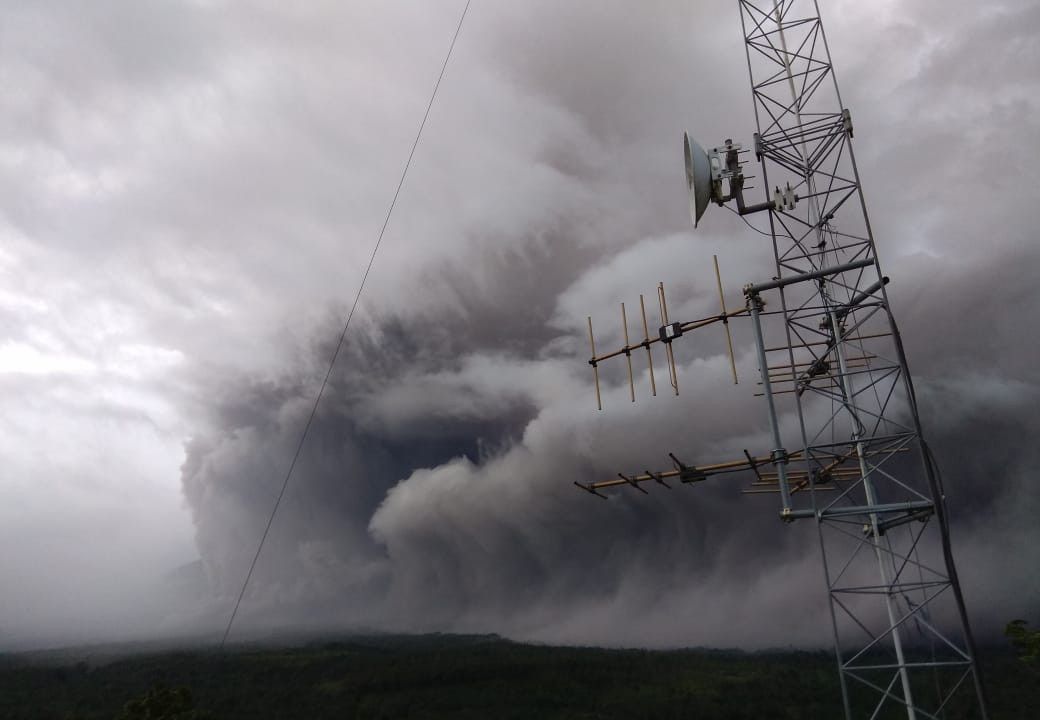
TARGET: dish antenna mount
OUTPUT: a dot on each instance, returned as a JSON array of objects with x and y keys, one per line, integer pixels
[{"x": 718, "y": 177}]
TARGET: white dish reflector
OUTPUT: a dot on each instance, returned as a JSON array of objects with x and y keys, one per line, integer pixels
[{"x": 698, "y": 177}]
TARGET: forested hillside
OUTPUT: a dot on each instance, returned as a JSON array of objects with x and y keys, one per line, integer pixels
[{"x": 451, "y": 677}]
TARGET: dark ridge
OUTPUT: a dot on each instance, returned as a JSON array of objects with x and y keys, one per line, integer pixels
[{"x": 454, "y": 676}]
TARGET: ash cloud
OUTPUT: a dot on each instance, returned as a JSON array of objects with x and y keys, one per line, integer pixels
[
  {"x": 192, "y": 194},
  {"x": 459, "y": 514},
  {"x": 443, "y": 457}
]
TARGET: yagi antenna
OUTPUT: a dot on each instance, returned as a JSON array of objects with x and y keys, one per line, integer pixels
[
  {"x": 646, "y": 344},
  {"x": 628, "y": 353},
  {"x": 667, "y": 332},
  {"x": 725, "y": 319},
  {"x": 594, "y": 364}
]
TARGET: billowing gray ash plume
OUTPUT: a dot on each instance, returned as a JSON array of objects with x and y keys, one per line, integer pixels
[
  {"x": 435, "y": 489},
  {"x": 190, "y": 195},
  {"x": 434, "y": 493}
]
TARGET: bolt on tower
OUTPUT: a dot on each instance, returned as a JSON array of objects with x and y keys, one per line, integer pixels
[{"x": 847, "y": 449}]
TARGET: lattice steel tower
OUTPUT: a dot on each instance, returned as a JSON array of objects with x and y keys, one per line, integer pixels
[{"x": 847, "y": 447}]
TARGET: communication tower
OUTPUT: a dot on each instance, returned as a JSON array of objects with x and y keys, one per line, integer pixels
[{"x": 847, "y": 450}]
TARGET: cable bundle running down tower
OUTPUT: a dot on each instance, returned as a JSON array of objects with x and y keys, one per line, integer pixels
[{"x": 847, "y": 446}]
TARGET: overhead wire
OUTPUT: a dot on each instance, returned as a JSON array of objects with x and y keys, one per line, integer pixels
[{"x": 343, "y": 334}]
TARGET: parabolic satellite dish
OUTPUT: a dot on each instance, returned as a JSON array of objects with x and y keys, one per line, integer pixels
[{"x": 698, "y": 177}]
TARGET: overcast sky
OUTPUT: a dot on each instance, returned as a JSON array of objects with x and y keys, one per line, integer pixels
[{"x": 190, "y": 191}]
